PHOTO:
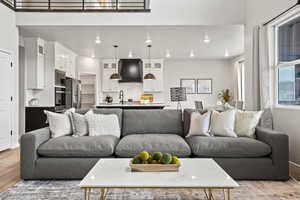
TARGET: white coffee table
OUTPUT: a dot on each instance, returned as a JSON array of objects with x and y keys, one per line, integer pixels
[{"x": 203, "y": 174}]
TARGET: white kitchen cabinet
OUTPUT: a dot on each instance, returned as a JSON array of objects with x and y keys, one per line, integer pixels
[
  {"x": 35, "y": 63},
  {"x": 108, "y": 85},
  {"x": 156, "y": 68},
  {"x": 65, "y": 60}
]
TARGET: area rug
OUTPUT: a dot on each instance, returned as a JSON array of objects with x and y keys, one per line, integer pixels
[{"x": 69, "y": 190}]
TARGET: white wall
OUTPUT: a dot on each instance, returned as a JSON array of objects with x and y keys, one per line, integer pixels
[
  {"x": 166, "y": 12},
  {"x": 219, "y": 70},
  {"x": 285, "y": 120},
  {"x": 9, "y": 42},
  {"x": 87, "y": 65}
]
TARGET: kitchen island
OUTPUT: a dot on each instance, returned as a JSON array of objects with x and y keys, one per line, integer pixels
[{"x": 127, "y": 106}]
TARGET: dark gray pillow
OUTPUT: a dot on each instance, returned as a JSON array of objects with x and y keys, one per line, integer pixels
[{"x": 187, "y": 119}]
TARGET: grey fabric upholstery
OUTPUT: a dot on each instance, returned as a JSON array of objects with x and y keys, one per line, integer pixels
[
  {"x": 29, "y": 145},
  {"x": 187, "y": 119},
  {"x": 251, "y": 169},
  {"x": 63, "y": 168},
  {"x": 279, "y": 143},
  {"x": 152, "y": 122},
  {"x": 79, "y": 147},
  {"x": 131, "y": 145},
  {"x": 227, "y": 147}
]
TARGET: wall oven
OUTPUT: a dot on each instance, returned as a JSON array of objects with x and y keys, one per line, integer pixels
[{"x": 60, "y": 98}]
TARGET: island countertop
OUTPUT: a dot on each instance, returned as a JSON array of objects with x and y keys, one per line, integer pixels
[{"x": 133, "y": 105}]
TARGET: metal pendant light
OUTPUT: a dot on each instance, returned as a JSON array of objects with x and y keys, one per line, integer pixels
[
  {"x": 116, "y": 76},
  {"x": 149, "y": 76}
]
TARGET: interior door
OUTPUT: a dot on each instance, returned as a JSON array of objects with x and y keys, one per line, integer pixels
[{"x": 5, "y": 100}]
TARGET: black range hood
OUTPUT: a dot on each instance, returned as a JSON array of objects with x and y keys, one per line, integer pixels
[{"x": 131, "y": 70}]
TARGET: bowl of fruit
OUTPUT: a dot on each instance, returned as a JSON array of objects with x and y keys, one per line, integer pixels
[{"x": 156, "y": 162}]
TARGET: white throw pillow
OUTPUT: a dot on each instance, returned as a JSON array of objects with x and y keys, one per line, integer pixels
[
  {"x": 100, "y": 124},
  {"x": 200, "y": 124},
  {"x": 80, "y": 124},
  {"x": 59, "y": 124},
  {"x": 222, "y": 124},
  {"x": 245, "y": 123}
]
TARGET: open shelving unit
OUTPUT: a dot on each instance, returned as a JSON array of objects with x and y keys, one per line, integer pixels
[{"x": 88, "y": 90}]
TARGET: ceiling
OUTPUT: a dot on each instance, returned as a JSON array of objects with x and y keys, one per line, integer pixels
[{"x": 178, "y": 40}]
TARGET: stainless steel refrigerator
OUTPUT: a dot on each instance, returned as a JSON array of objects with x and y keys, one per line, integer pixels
[{"x": 73, "y": 91}]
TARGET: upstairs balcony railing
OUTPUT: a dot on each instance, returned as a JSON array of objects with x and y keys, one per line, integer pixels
[{"x": 78, "y": 5}]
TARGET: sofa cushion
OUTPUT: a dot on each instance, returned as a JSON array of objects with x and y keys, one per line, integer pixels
[
  {"x": 226, "y": 147},
  {"x": 152, "y": 122},
  {"x": 131, "y": 145},
  {"x": 78, "y": 147},
  {"x": 105, "y": 111}
]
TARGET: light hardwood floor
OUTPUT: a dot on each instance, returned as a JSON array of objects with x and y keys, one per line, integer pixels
[{"x": 9, "y": 168}]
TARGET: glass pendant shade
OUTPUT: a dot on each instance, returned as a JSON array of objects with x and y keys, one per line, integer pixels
[
  {"x": 149, "y": 76},
  {"x": 116, "y": 77}
]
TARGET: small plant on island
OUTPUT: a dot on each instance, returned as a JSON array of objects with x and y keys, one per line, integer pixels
[{"x": 155, "y": 158}]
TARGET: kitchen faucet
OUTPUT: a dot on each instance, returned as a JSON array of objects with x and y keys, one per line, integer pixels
[{"x": 121, "y": 96}]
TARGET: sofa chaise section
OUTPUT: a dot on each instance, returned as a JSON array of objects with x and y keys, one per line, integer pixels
[{"x": 263, "y": 158}]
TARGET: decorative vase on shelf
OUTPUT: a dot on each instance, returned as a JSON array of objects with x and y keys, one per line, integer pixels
[{"x": 108, "y": 99}]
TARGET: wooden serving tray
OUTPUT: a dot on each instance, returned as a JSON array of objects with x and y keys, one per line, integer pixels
[{"x": 154, "y": 167}]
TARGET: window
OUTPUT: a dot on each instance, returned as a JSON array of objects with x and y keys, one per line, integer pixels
[
  {"x": 241, "y": 81},
  {"x": 288, "y": 62}
]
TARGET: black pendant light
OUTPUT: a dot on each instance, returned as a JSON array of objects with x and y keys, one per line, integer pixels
[
  {"x": 116, "y": 76},
  {"x": 149, "y": 76}
]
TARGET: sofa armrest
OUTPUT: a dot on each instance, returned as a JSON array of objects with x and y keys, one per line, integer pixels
[
  {"x": 279, "y": 144},
  {"x": 29, "y": 145}
]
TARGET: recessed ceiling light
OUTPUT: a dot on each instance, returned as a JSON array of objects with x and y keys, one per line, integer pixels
[
  {"x": 98, "y": 41},
  {"x": 192, "y": 54},
  {"x": 226, "y": 53},
  {"x": 130, "y": 54},
  {"x": 206, "y": 38},
  {"x": 93, "y": 56},
  {"x": 168, "y": 55}
]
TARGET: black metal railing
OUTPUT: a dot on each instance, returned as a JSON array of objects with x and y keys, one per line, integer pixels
[{"x": 78, "y": 5}]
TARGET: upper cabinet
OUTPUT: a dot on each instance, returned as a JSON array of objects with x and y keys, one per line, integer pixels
[
  {"x": 65, "y": 60},
  {"x": 155, "y": 67},
  {"x": 35, "y": 63},
  {"x": 108, "y": 85}
]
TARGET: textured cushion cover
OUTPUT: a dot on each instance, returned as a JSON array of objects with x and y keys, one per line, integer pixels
[
  {"x": 131, "y": 145},
  {"x": 246, "y": 122},
  {"x": 100, "y": 124},
  {"x": 59, "y": 124},
  {"x": 222, "y": 124},
  {"x": 227, "y": 147},
  {"x": 200, "y": 124},
  {"x": 80, "y": 124},
  {"x": 152, "y": 122},
  {"x": 187, "y": 119},
  {"x": 79, "y": 147}
]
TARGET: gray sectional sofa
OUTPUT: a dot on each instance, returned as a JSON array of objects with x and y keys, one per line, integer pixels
[{"x": 67, "y": 157}]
